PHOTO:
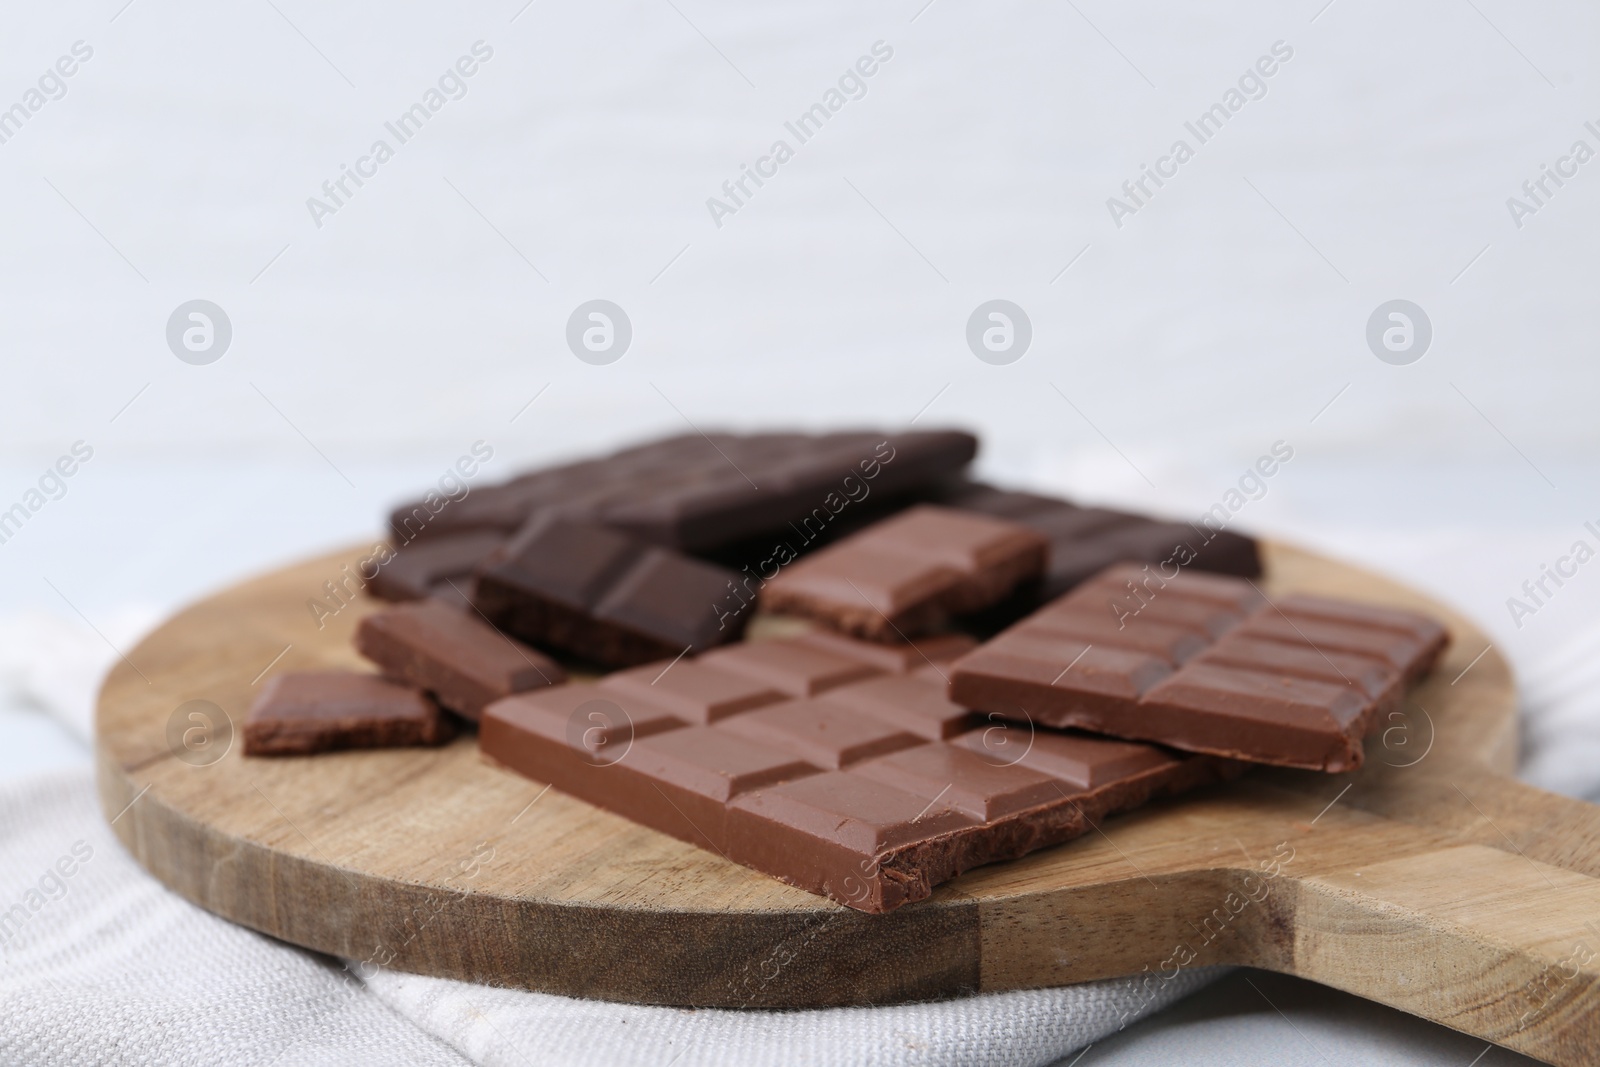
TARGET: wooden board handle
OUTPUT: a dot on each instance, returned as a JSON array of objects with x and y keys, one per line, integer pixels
[
  {"x": 1495, "y": 932},
  {"x": 1504, "y": 813}
]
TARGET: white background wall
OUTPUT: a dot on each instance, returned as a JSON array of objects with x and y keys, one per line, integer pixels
[{"x": 1223, "y": 316}]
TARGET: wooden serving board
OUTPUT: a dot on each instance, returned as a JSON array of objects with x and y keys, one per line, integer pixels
[{"x": 1430, "y": 880}]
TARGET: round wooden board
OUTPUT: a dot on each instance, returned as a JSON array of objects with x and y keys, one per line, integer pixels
[{"x": 1428, "y": 880}]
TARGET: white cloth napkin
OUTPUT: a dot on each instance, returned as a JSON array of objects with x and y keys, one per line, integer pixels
[
  {"x": 103, "y": 965},
  {"x": 1561, "y": 718}
]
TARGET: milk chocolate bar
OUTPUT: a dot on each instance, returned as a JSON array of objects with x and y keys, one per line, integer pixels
[
  {"x": 704, "y": 493},
  {"x": 1084, "y": 541},
  {"x": 457, "y": 657},
  {"x": 302, "y": 712},
  {"x": 834, "y": 765},
  {"x": 910, "y": 574},
  {"x": 604, "y": 596},
  {"x": 1204, "y": 663}
]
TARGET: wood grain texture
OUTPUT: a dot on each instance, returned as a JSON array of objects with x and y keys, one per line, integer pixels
[{"x": 1435, "y": 883}]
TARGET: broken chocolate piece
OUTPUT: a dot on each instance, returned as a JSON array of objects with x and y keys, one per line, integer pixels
[
  {"x": 1206, "y": 664},
  {"x": 910, "y": 574},
  {"x": 463, "y": 661},
  {"x": 315, "y": 711}
]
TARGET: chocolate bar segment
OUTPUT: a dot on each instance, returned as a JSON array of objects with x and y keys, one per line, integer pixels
[
  {"x": 1268, "y": 718},
  {"x": 767, "y": 482},
  {"x": 692, "y": 691},
  {"x": 846, "y": 775},
  {"x": 910, "y": 574},
  {"x": 704, "y": 493},
  {"x": 302, "y": 712},
  {"x": 1297, "y": 659},
  {"x": 593, "y": 721},
  {"x": 597, "y": 569},
  {"x": 1090, "y": 762},
  {"x": 896, "y": 658},
  {"x": 453, "y": 654},
  {"x": 822, "y": 732},
  {"x": 1206, "y": 664},
  {"x": 604, "y": 596},
  {"x": 909, "y": 703},
  {"x": 796, "y": 668},
  {"x": 440, "y": 568},
  {"x": 1084, "y": 541}
]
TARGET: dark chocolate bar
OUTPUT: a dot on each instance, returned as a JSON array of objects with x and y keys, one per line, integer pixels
[
  {"x": 910, "y": 574},
  {"x": 1084, "y": 541},
  {"x": 701, "y": 493},
  {"x": 603, "y": 595},
  {"x": 454, "y": 655},
  {"x": 315, "y": 711},
  {"x": 834, "y": 765},
  {"x": 1204, "y": 663},
  {"x": 440, "y": 567}
]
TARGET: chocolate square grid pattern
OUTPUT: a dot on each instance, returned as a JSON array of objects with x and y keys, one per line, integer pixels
[
  {"x": 604, "y": 596},
  {"x": 701, "y": 493},
  {"x": 910, "y": 573},
  {"x": 1204, "y": 663},
  {"x": 591, "y": 558},
  {"x": 822, "y": 762}
]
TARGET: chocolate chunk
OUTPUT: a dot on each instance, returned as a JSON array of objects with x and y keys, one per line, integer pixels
[
  {"x": 457, "y": 657},
  {"x": 604, "y": 596},
  {"x": 910, "y": 573},
  {"x": 705, "y": 493},
  {"x": 1204, "y": 663},
  {"x": 441, "y": 567},
  {"x": 315, "y": 711},
  {"x": 826, "y": 765}
]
